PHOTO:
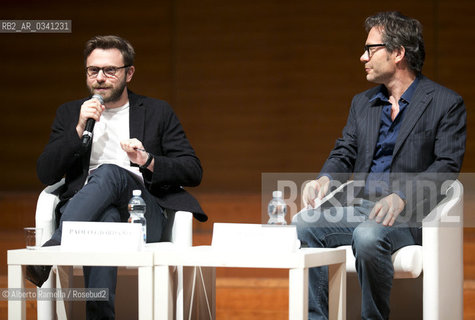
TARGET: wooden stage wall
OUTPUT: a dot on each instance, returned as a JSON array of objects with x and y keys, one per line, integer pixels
[{"x": 260, "y": 86}]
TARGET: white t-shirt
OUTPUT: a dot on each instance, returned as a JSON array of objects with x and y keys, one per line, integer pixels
[{"x": 112, "y": 128}]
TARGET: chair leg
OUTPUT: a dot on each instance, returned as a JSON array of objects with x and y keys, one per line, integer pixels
[
  {"x": 64, "y": 279},
  {"x": 45, "y": 309},
  {"x": 179, "y": 305}
]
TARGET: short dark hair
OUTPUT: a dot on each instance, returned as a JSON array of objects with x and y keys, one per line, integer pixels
[
  {"x": 400, "y": 31},
  {"x": 111, "y": 42}
]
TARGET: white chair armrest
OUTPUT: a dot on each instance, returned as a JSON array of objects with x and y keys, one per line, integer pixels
[
  {"x": 407, "y": 261},
  {"x": 442, "y": 232},
  {"x": 449, "y": 210},
  {"x": 45, "y": 210},
  {"x": 45, "y": 218},
  {"x": 182, "y": 230},
  {"x": 442, "y": 238}
]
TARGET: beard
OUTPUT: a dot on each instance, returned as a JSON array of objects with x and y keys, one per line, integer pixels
[{"x": 115, "y": 92}]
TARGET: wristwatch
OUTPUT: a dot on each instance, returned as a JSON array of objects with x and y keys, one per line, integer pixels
[{"x": 147, "y": 163}]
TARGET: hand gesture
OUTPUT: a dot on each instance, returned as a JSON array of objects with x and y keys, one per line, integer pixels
[
  {"x": 315, "y": 189},
  {"x": 135, "y": 151}
]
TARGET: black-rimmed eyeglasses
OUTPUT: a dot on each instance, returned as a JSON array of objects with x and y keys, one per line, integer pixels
[
  {"x": 367, "y": 48},
  {"x": 109, "y": 71}
]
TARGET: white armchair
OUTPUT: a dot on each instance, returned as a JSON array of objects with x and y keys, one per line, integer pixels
[
  {"x": 439, "y": 260},
  {"x": 178, "y": 231}
]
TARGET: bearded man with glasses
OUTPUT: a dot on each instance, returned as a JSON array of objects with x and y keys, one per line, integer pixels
[{"x": 138, "y": 143}]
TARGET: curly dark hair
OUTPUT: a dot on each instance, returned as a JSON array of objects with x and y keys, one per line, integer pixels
[{"x": 400, "y": 31}]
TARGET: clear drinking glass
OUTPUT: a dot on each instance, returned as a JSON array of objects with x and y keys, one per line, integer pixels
[{"x": 33, "y": 237}]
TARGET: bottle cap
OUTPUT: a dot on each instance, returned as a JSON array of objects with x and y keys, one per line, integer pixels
[
  {"x": 277, "y": 194},
  {"x": 137, "y": 192}
]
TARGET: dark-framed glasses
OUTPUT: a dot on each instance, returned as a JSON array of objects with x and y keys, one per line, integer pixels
[
  {"x": 109, "y": 71},
  {"x": 367, "y": 48}
]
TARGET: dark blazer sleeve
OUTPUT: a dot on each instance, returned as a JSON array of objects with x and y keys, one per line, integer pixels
[
  {"x": 354, "y": 149},
  {"x": 176, "y": 165},
  {"x": 61, "y": 155},
  {"x": 341, "y": 160},
  {"x": 433, "y": 150}
]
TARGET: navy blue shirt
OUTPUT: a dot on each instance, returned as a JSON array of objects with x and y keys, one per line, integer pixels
[{"x": 378, "y": 178}]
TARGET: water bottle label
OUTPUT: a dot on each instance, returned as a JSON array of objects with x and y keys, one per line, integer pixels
[{"x": 140, "y": 208}]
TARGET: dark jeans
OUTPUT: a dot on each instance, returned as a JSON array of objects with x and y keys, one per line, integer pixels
[
  {"x": 104, "y": 198},
  {"x": 372, "y": 244}
]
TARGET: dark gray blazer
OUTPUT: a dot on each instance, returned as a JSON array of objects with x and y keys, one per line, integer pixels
[
  {"x": 154, "y": 123},
  {"x": 430, "y": 145}
]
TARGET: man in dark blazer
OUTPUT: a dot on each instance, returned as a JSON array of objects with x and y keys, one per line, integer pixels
[
  {"x": 137, "y": 143},
  {"x": 400, "y": 135}
]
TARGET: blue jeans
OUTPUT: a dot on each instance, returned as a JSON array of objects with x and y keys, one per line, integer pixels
[
  {"x": 104, "y": 199},
  {"x": 372, "y": 244}
]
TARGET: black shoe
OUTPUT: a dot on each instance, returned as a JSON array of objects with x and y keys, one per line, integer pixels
[{"x": 39, "y": 274}]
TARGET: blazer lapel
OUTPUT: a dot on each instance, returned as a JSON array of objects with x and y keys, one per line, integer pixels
[
  {"x": 416, "y": 107},
  {"x": 371, "y": 122},
  {"x": 372, "y": 131},
  {"x": 136, "y": 117}
]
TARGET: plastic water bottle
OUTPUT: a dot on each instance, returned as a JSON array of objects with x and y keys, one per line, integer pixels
[
  {"x": 137, "y": 208},
  {"x": 277, "y": 209}
]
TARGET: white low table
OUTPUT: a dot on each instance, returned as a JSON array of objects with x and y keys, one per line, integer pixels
[
  {"x": 143, "y": 260},
  {"x": 297, "y": 263}
]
